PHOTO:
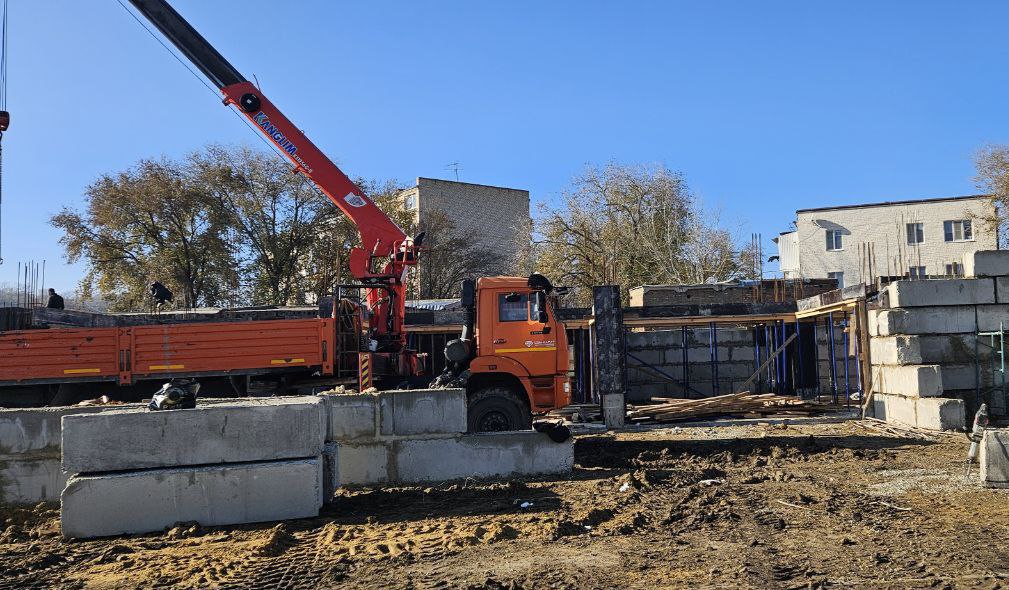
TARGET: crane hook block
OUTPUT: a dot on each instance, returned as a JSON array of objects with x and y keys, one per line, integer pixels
[{"x": 5, "y": 120}]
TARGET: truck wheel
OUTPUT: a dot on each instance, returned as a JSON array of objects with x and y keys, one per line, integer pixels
[
  {"x": 497, "y": 409},
  {"x": 69, "y": 394}
]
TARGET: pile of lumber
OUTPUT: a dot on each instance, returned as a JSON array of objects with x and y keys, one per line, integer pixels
[{"x": 745, "y": 404}]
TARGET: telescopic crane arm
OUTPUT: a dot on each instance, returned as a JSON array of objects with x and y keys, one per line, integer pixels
[{"x": 385, "y": 251}]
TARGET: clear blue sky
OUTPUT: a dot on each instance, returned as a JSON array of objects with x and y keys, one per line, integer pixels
[{"x": 765, "y": 106}]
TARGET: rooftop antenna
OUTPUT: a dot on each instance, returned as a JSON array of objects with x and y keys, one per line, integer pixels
[{"x": 454, "y": 166}]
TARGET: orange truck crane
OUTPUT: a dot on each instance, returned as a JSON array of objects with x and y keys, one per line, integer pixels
[{"x": 512, "y": 356}]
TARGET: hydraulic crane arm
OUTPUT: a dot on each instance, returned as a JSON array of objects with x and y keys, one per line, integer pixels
[{"x": 386, "y": 251}]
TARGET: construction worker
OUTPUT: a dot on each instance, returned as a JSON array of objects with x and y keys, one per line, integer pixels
[
  {"x": 161, "y": 295},
  {"x": 55, "y": 301}
]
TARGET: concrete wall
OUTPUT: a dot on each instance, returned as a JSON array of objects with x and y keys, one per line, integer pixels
[{"x": 884, "y": 225}]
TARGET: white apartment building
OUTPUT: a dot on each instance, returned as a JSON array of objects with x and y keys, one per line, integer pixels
[{"x": 916, "y": 239}]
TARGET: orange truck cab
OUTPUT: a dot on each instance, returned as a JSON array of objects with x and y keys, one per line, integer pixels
[{"x": 512, "y": 355}]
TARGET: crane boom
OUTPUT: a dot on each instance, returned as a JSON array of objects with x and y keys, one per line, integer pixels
[{"x": 386, "y": 251}]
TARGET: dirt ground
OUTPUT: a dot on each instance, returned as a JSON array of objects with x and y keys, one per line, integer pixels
[{"x": 754, "y": 506}]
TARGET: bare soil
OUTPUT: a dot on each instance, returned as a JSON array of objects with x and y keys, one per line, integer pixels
[{"x": 754, "y": 506}]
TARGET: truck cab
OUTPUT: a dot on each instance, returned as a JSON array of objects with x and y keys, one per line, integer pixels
[{"x": 512, "y": 355}]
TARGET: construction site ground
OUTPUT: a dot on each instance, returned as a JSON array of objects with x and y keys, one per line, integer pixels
[{"x": 755, "y": 505}]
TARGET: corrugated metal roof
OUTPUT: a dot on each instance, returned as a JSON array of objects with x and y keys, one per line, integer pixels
[{"x": 434, "y": 304}]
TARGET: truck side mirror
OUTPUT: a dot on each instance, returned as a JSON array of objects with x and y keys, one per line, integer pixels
[{"x": 541, "y": 307}]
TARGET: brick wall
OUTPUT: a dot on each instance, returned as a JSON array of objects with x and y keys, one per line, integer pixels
[{"x": 497, "y": 216}]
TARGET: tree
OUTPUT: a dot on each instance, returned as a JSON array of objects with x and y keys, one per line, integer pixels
[
  {"x": 273, "y": 215},
  {"x": 633, "y": 225},
  {"x": 151, "y": 222},
  {"x": 992, "y": 163}
]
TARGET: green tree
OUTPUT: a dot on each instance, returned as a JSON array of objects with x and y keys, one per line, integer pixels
[{"x": 151, "y": 222}]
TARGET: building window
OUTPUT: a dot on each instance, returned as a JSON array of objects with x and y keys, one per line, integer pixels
[
  {"x": 410, "y": 203},
  {"x": 915, "y": 233},
  {"x": 833, "y": 239},
  {"x": 917, "y": 272},
  {"x": 513, "y": 307},
  {"x": 954, "y": 269},
  {"x": 837, "y": 276},
  {"x": 958, "y": 230}
]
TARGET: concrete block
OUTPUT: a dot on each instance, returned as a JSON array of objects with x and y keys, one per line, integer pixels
[
  {"x": 351, "y": 417},
  {"x": 872, "y": 321},
  {"x": 934, "y": 292},
  {"x": 986, "y": 263},
  {"x": 31, "y": 481},
  {"x": 991, "y": 318},
  {"x": 1002, "y": 289},
  {"x": 330, "y": 471},
  {"x": 940, "y": 413},
  {"x": 251, "y": 430},
  {"x": 37, "y": 430},
  {"x": 365, "y": 463},
  {"x": 647, "y": 356},
  {"x": 964, "y": 376},
  {"x": 895, "y": 408},
  {"x": 146, "y": 501},
  {"x": 895, "y": 350},
  {"x": 422, "y": 411},
  {"x": 994, "y": 458},
  {"x": 926, "y": 320},
  {"x": 908, "y": 380},
  {"x": 946, "y": 348},
  {"x": 484, "y": 455}
]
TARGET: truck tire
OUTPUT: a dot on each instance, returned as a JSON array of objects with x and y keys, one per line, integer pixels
[{"x": 497, "y": 409}]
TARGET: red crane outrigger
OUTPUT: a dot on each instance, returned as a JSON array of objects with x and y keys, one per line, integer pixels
[{"x": 381, "y": 262}]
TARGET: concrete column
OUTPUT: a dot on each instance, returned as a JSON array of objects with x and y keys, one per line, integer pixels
[{"x": 610, "y": 367}]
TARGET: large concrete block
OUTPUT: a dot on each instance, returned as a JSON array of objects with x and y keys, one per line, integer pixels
[
  {"x": 365, "y": 463},
  {"x": 150, "y": 500},
  {"x": 31, "y": 481},
  {"x": 965, "y": 376},
  {"x": 926, "y": 320},
  {"x": 872, "y": 321},
  {"x": 330, "y": 470},
  {"x": 422, "y": 411},
  {"x": 37, "y": 430},
  {"x": 1002, "y": 289},
  {"x": 895, "y": 408},
  {"x": 351, "y": 417},
  {"x": 986, "y": 263},
  {"x": 991, "y": 318},
  {"x": 895, "y": 350},
  {"x": 940, "y": 413},
  {"x": 946, "y": 348},
  {"x": 994, "y": 458},
  {"x": 251, "y": 430},
  {"x": 908, "y": 380},
  {"x": 935, "y": 292},
  {"x": 484, "y": 455}
]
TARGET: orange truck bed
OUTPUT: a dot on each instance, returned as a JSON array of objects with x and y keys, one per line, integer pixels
[{"x": 129, "y": 354}]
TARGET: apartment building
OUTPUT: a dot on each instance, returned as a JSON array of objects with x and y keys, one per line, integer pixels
[{"x": 916, "y": 239}]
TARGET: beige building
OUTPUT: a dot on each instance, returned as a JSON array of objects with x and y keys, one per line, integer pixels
[
  {"x": 497, "y": 218},
  {"x": 923, "y": 238}
]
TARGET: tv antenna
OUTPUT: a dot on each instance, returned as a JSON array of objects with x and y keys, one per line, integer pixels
[{"x": 454, "y": 166}]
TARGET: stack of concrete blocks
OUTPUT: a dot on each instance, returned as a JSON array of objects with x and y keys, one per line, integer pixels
[
  {"x": 137, "y": 471},
  {"x": 30, "y": 453},
  {"x": 420, "y": 436},
  {"x": 927, "y": 367}
]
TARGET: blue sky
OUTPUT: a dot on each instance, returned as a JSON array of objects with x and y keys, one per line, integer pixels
[{"x": 766, "y": 107}]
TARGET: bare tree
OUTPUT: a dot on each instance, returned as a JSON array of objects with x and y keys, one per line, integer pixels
[
  {"x": 632, "y": 225},
  {"x": 449, "y": 256},
  {"x": 992, "y": 163}
]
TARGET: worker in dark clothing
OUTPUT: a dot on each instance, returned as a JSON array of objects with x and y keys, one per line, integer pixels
[
  {"x": 161, "y": 294},
  {"x": 55, "y": 301}
]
